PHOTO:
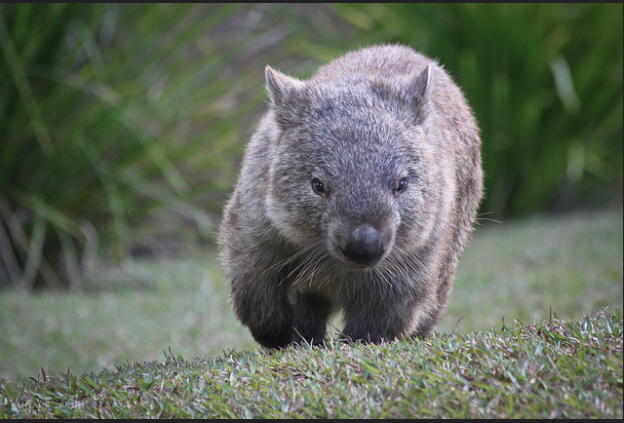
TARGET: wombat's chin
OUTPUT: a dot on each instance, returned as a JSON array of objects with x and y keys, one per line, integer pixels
[
  {"x": 362, "y": 267},
  {"x": 358, "y": 264}
]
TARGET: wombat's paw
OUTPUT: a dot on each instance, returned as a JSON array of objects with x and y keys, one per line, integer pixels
[
  {"x": 275, "y": 338},
  {"x": 367, "y": 336},
  {"x": 313, "y": 342}
]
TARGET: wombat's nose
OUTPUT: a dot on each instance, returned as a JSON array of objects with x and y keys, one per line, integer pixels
[{"x": 364, "y": 246}]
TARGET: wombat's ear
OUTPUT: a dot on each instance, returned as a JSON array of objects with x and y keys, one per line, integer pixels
[
  {"x": 281, "y": 87},
  {"x": 421, "y": 88}
]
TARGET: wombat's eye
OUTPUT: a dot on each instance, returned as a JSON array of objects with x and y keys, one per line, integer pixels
[
  {"x": 318, "y": 187},
  {"x": 401, "y": 186}
]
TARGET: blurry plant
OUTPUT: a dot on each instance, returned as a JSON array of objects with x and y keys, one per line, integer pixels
[
  {"x": 545, "y": 81},
  {"x": 83, "y": 138},
  {"x": 121, "y": 125}
]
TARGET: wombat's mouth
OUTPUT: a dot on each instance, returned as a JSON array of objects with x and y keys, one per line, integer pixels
[{"x": 362, "y": 266}]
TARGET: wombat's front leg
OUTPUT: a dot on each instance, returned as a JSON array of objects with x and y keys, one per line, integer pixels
[
  {"x": 261, "y": 303},
  {"x": 311, "y": 313},
  {"x": 378, "y": 315}
]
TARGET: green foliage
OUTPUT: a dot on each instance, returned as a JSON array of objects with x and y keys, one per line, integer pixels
[
  {"x": 545, "y": 82},
  {"x": 121, "y": 125},
  {"x": 90, "y": 137},
  {"x": 547, "y": 369}
]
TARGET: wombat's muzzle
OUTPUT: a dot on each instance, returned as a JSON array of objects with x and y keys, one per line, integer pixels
[{"x": 364, "y": 246}]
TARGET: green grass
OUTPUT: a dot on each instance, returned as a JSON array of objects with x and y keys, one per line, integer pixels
[
  {"x": 518, "y": 269},
  {"x": 546, "y": 369},
  {"x": 130, "y": 313},
  {"x": 515, "y": 270}
]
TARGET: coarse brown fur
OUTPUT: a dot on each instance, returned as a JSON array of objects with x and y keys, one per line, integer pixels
[{"x": 357, "y": 193}]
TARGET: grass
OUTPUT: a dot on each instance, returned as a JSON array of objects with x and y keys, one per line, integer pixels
[
  {"x": 130, "y": 313},
  {"x": 515, "y": 270},
  {"x": 519, "y": 269},
  {"x": 546, "y": 369}
]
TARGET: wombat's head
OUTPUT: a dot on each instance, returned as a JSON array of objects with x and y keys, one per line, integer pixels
[{"x": 353, "y": 176}]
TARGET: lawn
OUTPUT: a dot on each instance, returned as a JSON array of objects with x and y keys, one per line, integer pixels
[
  {"x": 549, "y": 369},
  {"x": 516, "y": 270}
]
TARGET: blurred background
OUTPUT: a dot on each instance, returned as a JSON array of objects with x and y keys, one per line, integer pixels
[{"x": 121, "y": 132}]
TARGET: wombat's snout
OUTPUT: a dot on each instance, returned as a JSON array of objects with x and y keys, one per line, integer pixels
[{"x": 364, "y": 246}]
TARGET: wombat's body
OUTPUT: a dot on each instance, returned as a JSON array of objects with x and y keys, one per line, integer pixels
[{"x": 357, "y": 193}]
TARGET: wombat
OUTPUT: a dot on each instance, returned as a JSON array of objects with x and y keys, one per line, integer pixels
[{"x": 357, "y": 193}]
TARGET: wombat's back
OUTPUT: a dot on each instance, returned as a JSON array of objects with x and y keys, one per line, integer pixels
[{"x": 395, "y": 60}]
